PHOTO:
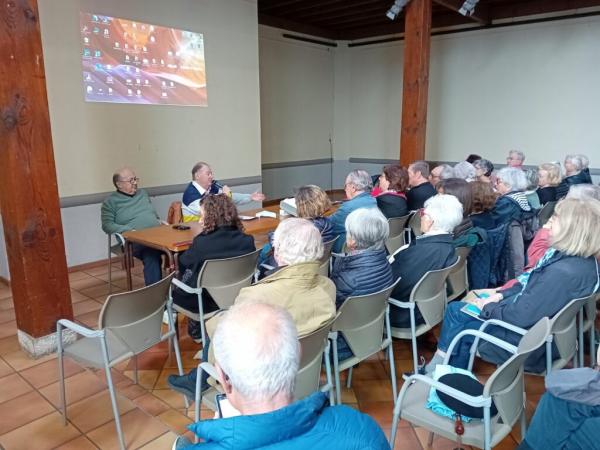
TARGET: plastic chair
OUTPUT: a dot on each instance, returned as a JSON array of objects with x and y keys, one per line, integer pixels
[
  {"x": 118, "y": 249},
  {"x": 129, "y": 324},
  {"x": 325, "y": 261},
  {"x": 361, "y": 320},
  {"x": 414, "y": 224},
  {"x": 563, "y": 334},
  {"x": 587, "y": 324},
  {"x": 429, "y": 295},
  {"x": 223, "y": 279},
  {"x": 458, "y": 279},
  {"x": 505, "y": 388},
  {"x": 397, "y": 229},
  {"x": 314, "y": 349},
  {"x": 546, "y": 212}
]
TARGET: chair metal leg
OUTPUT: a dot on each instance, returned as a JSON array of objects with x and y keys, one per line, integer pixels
[
  {"x": 113, "y": 397},
  {"x": 109, "y": 267},
  {"x": 328, "y": 372},
  {"x": 349, "y": 379},
  {"x": 393, "y": 372},
  {"x": 430, "y": 439},
  {"x": 61, "y": 375},
  {"x": 336, "y": 371},
  {"x": 580, "y": 340},
  {"x": 197, "y": 398},
  {"x": 487, "y": 429},
  {"x": 413, "y": 339},
  {"x": 523, "y": 422},
  {"x": 548, "y": 356},
  {"x": 593, "y": 345},
  {"x": 135, "y": 370},
  {"x": 395, "y": 420},
  {"x": 175, "y": 341}
]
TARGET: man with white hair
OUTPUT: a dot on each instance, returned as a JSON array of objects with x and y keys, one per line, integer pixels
[
  {"x": 433, "y": 250},
  {"x": 441, "y": 172},
  {"x": 358, "y": 187},
  {"x": 257, "y": 359},
  {"x": 576, "y": 172},
  {"x": 420, "y": 187},
  {"x": 295, "y": 286},
  {"x": 465, "y": 171},
  {"x": 515, "y": 159}
]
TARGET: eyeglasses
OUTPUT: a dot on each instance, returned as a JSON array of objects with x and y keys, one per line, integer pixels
[{"x": 133, "y": 180}]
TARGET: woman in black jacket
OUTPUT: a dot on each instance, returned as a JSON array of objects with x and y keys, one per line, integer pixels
[
  {"x": 221, "y": 235},
  {"x": 391, "y": 195},
  {"x": 548, "y": 180},
  {"x": 568, "y": 270}
]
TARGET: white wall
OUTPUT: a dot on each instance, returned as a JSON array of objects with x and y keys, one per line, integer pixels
[{"x": 161, "y": 142}]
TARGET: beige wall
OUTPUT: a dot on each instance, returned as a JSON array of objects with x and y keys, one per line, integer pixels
[{"x": 161, "y": 142}]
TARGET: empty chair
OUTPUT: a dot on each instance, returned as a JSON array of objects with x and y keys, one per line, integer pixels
[
  {"x": 397, "y": 229},
  {"x": 429, "y": 296},
  {"x": 458, "y": 280},
  {"x": 546, "y": 212},
  {"x": 223, "y": 279},
  {"x": 129, "y": 323},
  {"x": 325, "y": 261},
  {"x": 504, "y": 388},
  {"x": 361, "y": 320}
]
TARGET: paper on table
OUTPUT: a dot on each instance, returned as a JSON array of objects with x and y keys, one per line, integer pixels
[
  {"x": 247, "y": 217},
  {"x": 266, "y": 214}
]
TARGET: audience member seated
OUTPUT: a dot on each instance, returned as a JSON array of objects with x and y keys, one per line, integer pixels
[
  {"x": 295, "y": 286},
  {"x": 439, "y": 173},
  {"x": 472, "y": 158},
  {"x": 484, "y": 200},
  {"x": 531, "y": 175},
  {"x": 420, "y": 187},
  {"x": 515, "y": 159},
  {"x": 461, "y": 189},
  {"x": 358, "y": 192},
  {"x": 510, "y": 184},
  {"x": 568, "y": 414},
  {"x": 364, "y": 269},
  {"x": 221, "y": 235},
  {"x": 465, "y": 171},
  {"x": 203, "y": 183},
  {"x": 391, "y": 198},
  {"x": 433, "y": 250},
  {"x": 548, "y": 180},
  {"x": 130, "y": 208},
  {"x": 576, "y": 172},
  {"x": 484, "y": 170},
  {"x": 257, "y": 360},
  {"x": 568, "y": 270},
  {"x": 312, "y": 203}
]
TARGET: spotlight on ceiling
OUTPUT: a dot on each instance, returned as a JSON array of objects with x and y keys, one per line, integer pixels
[
  {"x": 468, "y": 7},
  {"x": 396, "y": 8}
]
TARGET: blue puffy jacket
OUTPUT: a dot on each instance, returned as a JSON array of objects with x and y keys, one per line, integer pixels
[
  {"x": 338, "y": 219},
  {"x": 360, "y": 274},
  {"x": 305, "y": 424}
]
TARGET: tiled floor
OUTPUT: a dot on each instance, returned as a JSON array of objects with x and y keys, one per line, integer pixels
[{"x": 152, "y": 415}]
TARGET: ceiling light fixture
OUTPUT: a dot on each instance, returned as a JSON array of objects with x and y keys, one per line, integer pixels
[
  {"x": 468, "y": 7},
  {"x": 396, "y": 8}
]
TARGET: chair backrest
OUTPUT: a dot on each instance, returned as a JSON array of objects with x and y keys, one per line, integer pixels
[
  {"x": 517, "y": 250},
  {"x": 309, "y": 375},
  {"x": 324, "y": 261},
  {"x": 506, "y": 384},
  {"x": 546, "y": 212},
  {"x": 361, "y": 319},
  {"x": 591, "y": 311},
  {"x": 136, "y": 316},
  {"x": 430, "y": 294},
  {"x": 223, "y": 278},
  {"x": 174, "y": 215},
  {"x": 396, "y": 238},
  {"x": 564, "y": 327},
  {"x": 457, "y": 278},
  {"x": 414, "y": 223}
]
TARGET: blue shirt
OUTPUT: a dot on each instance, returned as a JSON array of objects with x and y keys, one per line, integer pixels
[{"x": 338, "y": 220}]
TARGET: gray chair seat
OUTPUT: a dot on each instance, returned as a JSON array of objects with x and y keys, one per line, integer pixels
[{"x": 89, "y": 351}]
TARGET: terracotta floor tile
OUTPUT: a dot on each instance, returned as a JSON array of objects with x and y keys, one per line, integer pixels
[
  {"x": 22, "y": 410},
  {"x": 172, "y": 398},
  {"x": 373, "y": 391},
  {"x": 5, "y": 292},
  {"x": 20, "y": 360},
  {"x": 150, "y": 361},
  {"x": 116, "y": 275},
  {"x": 439, "y": 443},
  {"x": 89, "y": 319},
  {"x": 151, "y": 404},
  {"x": 163, "y": 442},
  {"x": 79, "y": 275},
  {"x": 96, "y": 410},
  {"x": 86, "y": 283},
  {"x": 9, "y": 345},
  {"x": 406, "y": 439},
  {"x": 45, "y": 433},
  {"x": 85, "y": 306},
  {"x": 175, "y": 420},
  {"x": 77, "y": 297},
  {"x": 187, "y": 360},
  {"x": 97, "y": 291},
  {"x": 98, "y": 270},
  {"x": 6, "y": 315},
  {"x": 138, "y": 428},
  {"x": 12, "y": 386},
  {"x": 5, "y": 369},
  {"x": 47, "y": 373},
  {"x": 6, "y": 303},
  {"x": 80, "y": 443},
  {"x": 348, "y": 395},
  {"x": 161, "y": 382},
  {"x": 8, "y": 329},
  {"x": 381, "y": 412},
  {"x": 146, "y": 378},
  {"x": 369, "y": 370},
  {"x": 131, "y": 390},
  {"x": 77, "y": 387}
]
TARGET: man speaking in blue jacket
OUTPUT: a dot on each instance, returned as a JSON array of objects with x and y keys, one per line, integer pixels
[{"x": 257, "y": 357}]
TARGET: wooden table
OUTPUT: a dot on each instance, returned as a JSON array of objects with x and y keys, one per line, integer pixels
[{"x": 172, "y": 242}]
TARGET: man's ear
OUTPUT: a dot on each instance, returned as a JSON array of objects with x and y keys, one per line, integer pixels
[{"x": 224, "y": 380}]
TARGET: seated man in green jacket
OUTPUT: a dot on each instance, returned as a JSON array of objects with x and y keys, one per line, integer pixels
[{"x": 130, "y": 208}]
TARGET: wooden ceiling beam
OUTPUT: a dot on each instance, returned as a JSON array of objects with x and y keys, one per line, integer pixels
[
  {"x": 279, "y": 22},
  {"x": 532, "y": 7},
  {"x": 335, "y": 10},
  {"x": 276, "y": 5},
  {"x": 481, "y": 14}
]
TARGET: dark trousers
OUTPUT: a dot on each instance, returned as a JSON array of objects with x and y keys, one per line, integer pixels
[{"x": 152, "y": 260}]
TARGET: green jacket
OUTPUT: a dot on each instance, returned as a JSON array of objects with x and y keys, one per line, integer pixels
[{"x": 121, "y": 212}]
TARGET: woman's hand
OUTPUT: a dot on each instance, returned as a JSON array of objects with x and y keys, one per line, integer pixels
[{"x": 494, "y": 298}]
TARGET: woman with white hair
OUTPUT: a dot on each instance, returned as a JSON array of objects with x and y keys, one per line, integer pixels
[
  {"x": 433, "y": 250},
  {"x": 365, "y": 268},
  {"x": 466, "y": 171},
  {"x": 567, "y": 270},
  {"x": 576, "y": 172},
  {"x": 512, "y": 203}
]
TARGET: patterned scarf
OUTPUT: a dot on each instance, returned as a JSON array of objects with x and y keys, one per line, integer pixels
[{"x": 524, "y": 277}]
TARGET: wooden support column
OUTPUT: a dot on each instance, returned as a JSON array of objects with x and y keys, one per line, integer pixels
[
  {"x": 417, "y": 42},
  {"x": 28, "y": 188}
]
